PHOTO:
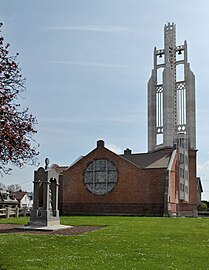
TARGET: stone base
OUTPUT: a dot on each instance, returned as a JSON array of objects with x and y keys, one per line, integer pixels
[
  {"x": 41, "y": 222},
  {"x": 45, "y": 228}
]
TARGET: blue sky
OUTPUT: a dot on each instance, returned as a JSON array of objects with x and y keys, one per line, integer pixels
[{"x": 87, "y": 63}]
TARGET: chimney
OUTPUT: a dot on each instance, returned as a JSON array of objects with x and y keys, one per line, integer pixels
[
  {"x": 100, "y": 144},
  {"x": 127, "y": 151}
]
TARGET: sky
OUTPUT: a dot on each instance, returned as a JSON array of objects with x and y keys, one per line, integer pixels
[{"x": 87, "y": 64}]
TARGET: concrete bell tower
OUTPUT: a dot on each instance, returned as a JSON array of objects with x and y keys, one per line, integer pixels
[{"x": 171, "y": 103}]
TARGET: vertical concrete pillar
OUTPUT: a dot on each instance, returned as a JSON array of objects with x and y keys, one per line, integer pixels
[
  {"x": 152, "y": 112},
  {"x": 168, "y": 107},
  {"x": 190, "y": 108}
]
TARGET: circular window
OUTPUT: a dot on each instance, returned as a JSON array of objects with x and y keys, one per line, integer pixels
[{"x": 100, "y": 176}]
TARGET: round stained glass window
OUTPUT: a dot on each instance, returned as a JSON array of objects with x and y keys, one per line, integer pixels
[{"x": 100, "y": 176}]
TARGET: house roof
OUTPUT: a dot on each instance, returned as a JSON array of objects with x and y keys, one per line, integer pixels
[
  {"x": 19, "y": 194},
  {"x": 150, "y": 160},
  {"x": 7, "y": 198}
]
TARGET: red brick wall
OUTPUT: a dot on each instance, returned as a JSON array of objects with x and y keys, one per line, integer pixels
[
  {"x": 192, "y": 177},
  {"x": 137, "y": 191}
]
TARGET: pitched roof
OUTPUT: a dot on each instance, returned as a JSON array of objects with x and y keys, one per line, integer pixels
[
  {"x": 7, "y": 198},
  {"x": 150, "y": 160},
  {"x": 19, "y": 194},
  {"x": 74, "y": 162}
]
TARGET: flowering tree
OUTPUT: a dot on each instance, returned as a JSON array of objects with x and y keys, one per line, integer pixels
[{"x": 17, "y": 146}]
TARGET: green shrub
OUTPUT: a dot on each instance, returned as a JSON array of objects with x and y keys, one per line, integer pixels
[{"x": 203, "y": 206}]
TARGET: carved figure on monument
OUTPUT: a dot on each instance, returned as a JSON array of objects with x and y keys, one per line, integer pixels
[
  {"x": 41, "y": 194},
  {"x": 50, "y": 201}
]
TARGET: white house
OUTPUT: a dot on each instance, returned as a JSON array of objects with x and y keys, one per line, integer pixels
[{"x": 23, "y": 199}]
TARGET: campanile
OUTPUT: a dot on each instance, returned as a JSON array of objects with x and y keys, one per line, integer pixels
[{"x": 171, "y": 103}]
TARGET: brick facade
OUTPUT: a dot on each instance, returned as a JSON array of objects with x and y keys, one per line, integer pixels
[{"x": 138, "y": 191}]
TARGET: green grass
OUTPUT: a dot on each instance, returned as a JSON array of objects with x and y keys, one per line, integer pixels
[{"x": 130, "y": 243}]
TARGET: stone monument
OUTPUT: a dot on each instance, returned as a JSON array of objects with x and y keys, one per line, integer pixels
[{"x": 45, "y": 203}]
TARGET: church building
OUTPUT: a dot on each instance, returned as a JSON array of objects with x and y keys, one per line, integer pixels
[{"x": 160, "y": 182}]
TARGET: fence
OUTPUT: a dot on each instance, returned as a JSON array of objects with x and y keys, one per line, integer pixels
[{"x": 13, "y": 212}]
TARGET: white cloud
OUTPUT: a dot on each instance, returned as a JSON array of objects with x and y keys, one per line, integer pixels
[
  {"x": 90, "y": 64},
  {"x": 96, "y": 28},
  {"x": 114, "y": 148}
]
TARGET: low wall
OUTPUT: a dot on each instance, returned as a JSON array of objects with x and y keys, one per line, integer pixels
[{"x": 113, "y": 209}]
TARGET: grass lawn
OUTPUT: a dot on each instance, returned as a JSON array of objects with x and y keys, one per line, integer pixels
[{"x": 131, "y": 243}]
